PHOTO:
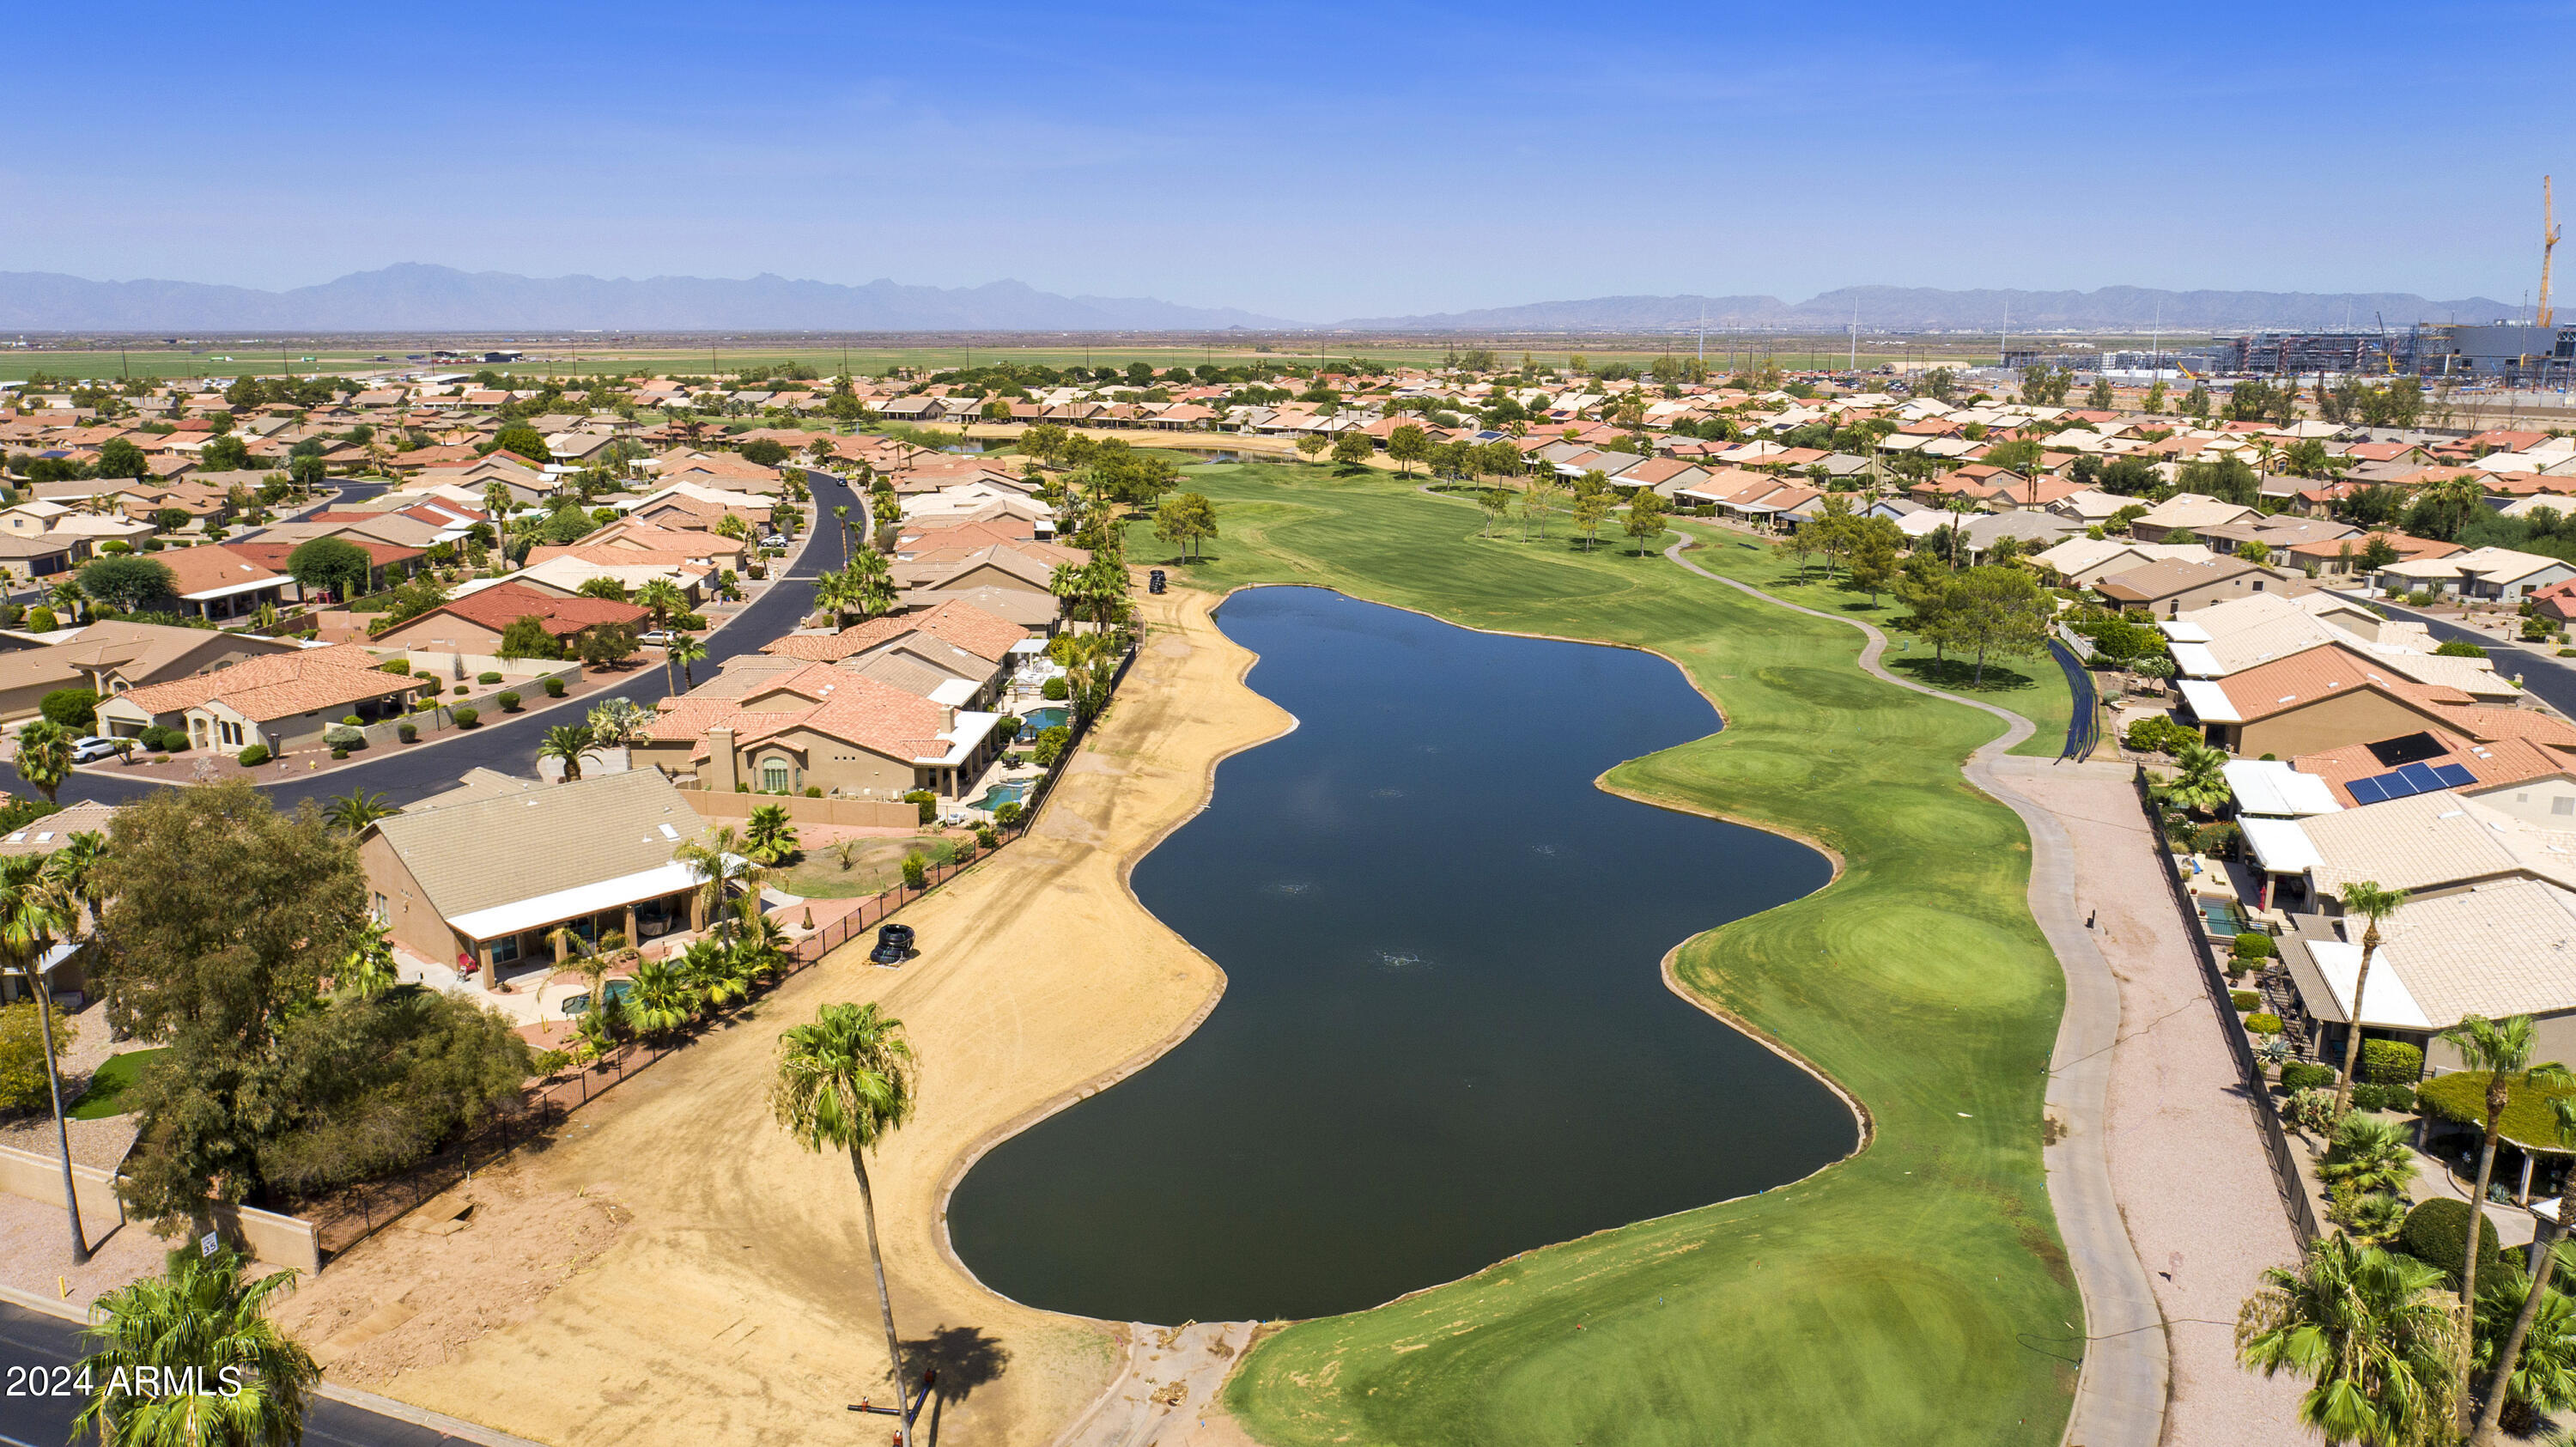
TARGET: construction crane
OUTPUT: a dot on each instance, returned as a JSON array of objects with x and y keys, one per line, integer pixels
[{"x": 2548, "y": 244}]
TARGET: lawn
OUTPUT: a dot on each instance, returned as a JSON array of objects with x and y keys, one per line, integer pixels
[
  {"x": 1916, "y": 1293},
  {"x": 107, "y": 1088}
]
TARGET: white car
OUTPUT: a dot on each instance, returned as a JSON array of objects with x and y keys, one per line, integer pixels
[
  {"x": 660, "y": 638},
  {"x": 93, "y": 746},
  {"x": 775, "y": 540}
]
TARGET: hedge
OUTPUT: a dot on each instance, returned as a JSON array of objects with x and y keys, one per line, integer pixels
[
  {"x": 2264, "y": 1023},
  {"x": 2384, "y": 1097},
  {"x": 2391, "y": 1062},
  {"x": 2253, "y": 945},
  {"x": 2244, "y": 1000},
  {"x": 2307, "y": 1075},
  {"x": 253, "y": 757},
  {"x": 2437, "y": 1232},
  {"x": 2461, "y": 1099}
]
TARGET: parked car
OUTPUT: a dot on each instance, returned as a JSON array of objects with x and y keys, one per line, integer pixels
[
  {"x": 776, "y": 540},
  {"x": 92, "y": 746},
  {"x": 658, "y": 638},
  {"x": 894, "y": 945}
]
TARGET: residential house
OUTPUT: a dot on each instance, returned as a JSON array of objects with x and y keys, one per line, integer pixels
[
  {"x": 116, "y": 656},
  {"x": 820, "y": 726},
  {"x": 472, "y": 625},
  {"x": 280, "y": 700},
  {"x": 2177, "y": 586}
]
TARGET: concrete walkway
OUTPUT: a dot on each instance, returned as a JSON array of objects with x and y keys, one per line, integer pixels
[{"x": 2120, "y": 1390}]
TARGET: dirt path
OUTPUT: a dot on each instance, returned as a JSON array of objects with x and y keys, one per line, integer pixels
[{"x": 734, "y": 1305}]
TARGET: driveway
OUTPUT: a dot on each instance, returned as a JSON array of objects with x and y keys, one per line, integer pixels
[{"x": 511, "y": 747}]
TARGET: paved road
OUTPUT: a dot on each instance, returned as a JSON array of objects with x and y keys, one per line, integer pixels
[
  {"x": 30, "y": 1339},
  {"x": 2549, "y": 677},
  {"x": 511, "y": 746},
  {"x": 2120, "y": 1388}
]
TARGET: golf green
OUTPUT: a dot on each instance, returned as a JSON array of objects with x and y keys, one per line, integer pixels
[{"x": 1914, "y": 1293}]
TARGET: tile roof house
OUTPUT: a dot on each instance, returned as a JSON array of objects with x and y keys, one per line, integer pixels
[
  {"x": 473, "y": 624},
  {"x": 2320, "y": 698},
  {"x": 215, "y": 582},
  {"x": 280, "y": 700},
  {"x": 116, "y": 656},
  {"x": 488, "y": 874},
  {"x": 819, "y": 726},
  {"x": 2177, "y": 586}
]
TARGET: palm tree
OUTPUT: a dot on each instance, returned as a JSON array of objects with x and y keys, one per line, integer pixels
[
  {"x": 498, "y": 502},
  {"x": 870, "y": 583},
  {"x": 356, "y": 809},
  {"x": 68, "y": 597},
  {"x": 2367, "y": 899},
  {"x": 1067, "y": 585},
  {"x": 759, "y": 942},
  {"x": 567, "y": 742},
  {"x": 2502, "y": 1049},
  {"x": 684, "y": 651},
  {"x": 711, "y": 972},
  {"x": 78, "y": 867},
  {"x": 846, "y": 1082},
  {"x": 200, "y": 1315},
  {"x": 2366, "y": 1330},
  {"x": 2372, "y": 1156},
  {"x": 2510, "y": 1375},
  {"x": 2202, "y": 784},
  {"x": 662, "y": 598},
  {"x": 719, "y": 862},
  {"x": 659, "y": 998},
  {"x": 44, "y": 756},
  {"x": 35, "y": 909},
  {"x": 841, "y": 510},
  {"x": 770, "y": 834}
]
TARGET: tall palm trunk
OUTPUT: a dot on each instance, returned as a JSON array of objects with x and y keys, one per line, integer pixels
[
  {"x": 2352, "y": 1037},
  {"x": 2477, "y": 1220},
  {"x": 885, "y": 1300},
  {"x": 62, "y": 1132},
  {"x": 2491, "y": 1415}
]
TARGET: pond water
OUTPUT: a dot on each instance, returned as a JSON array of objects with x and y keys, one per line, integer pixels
[{"x": 1445, "y": 1037}]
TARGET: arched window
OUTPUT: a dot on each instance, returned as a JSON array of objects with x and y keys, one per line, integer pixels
[{"x": 773, "y": 775}]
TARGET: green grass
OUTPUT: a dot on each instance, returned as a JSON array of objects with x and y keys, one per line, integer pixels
[
  {"x": 1916, "y": 1293},
  {"x": 108, "y": 1086}
]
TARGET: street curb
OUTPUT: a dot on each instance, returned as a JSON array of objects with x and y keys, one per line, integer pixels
[{"x": 439, "y": 1422}]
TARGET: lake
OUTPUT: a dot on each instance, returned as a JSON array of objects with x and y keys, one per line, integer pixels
[{"x": 1445, "y": 1038}]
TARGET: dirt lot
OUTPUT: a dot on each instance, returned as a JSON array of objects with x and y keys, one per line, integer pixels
[{"x": 734, "y": 1304}]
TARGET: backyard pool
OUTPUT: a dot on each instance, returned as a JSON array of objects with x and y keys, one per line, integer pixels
[
  {"x": 1445, "y": 1035},
  {"x": 2226, "y": 917},
  {"x": 1038, "y": 720},
  {"x": 611, "y": 993},
  {"x": 1018, "y": 789}
]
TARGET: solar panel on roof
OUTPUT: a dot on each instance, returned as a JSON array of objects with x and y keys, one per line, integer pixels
[
  {"x": 2421, "y": 776},
  {"x": 2368, "y": 791},
  {"x": 2454, "y": 776}
]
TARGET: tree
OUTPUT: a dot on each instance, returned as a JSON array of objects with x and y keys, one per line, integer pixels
[
  {"x": 249, "y": 1383},
  {"x": 770, "y": 835},
  {"x": 2366, "y": 899},
  {"x": 662, "y": 598},
  {"x": 566, "y": 743},
  {"x": 118, "y": 457},
  {"x": 526, "y": 441},
  {"x": 1591, "y": 509},
  {"x": 1311, "y": 446},
  {"x": 1407, "y": 445},
  {"x": 2365, "y": 1329},
  {"x": 1494, "y": 503},
  {"x": 618, "y": 722},
  {"x": 1645, "y": 520},
  {"x": 331, "y": 565},
  {"x": 765, "y": 451},
  {"x": 355, "y": 810},
  {"x": 720, "y": 862},
  {"x": 1352, "y": 448},
  {"x": 2377, "y": 553},
  {"x": 846, "y": 1082},
  {"x": 44, "y": 756},
  {"x": 128, "y": 582},
  {"x": 307, "y": 471},
  {"x": 1995, "y": 612},
  {"x": 1873, "y": 558},
  {"x": 224, "y": 454},
  {"x": 2502, "y": 1049},
  {"x": 74, "y": 710},
  {"x": 2098, "y": 398},
  {"x": 2202, "y": 783},
  {"x": 1184, "y": 519},
  {"x": 526, "y": 637},
  {"x": 35, "y": 910}
]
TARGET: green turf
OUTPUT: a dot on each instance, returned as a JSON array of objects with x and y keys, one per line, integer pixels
[
  {"x": 1916, "y": 1293},
  {"x": 107, "y": 1088}
]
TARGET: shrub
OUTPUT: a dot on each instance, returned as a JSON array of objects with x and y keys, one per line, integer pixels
[
  {"x": 339, "y": 753},
  {"x": 508, "y": 701},
  {"x": 73, "y": 709},
  {"x": 740, "y": 787},
  {"x": 2307, "y": 1075},
  {"x": 410, "y": 732},
  {"x": 550, "y": 1061},
  {"x": 40, "y": 619},
  {"x": 957, "y": 851},
  {"x": 2460, "y": 648},
  {"x": 690, "y": 622},
  {"x": 1057, "y": 689},
  {"x": 813, "y": 791},
  {"x": 344, "y": 736},
  {"x": 986, "y": 838},
  {"x": 2384, "y": 1097},
  {"x": 926, "y": 801},
  {"x": 1051, "y": 745},
  {"x": 2538, "y": 630},
  {"x": 2159, "y": 734},
  {"x": 2420, "y": 598},
  {"x": 2213, "y": 839},
  {"x": 2263, "y": 1023},
  {"x": 2436, "y": 1233},
  {"x": 916, "y": 870},
  {"x": 396, "y": 665},
  {"x": 466, "y": 717},
  {"x": 253, "y": 757},
  {"x": 2254, "y": 945},
  {"x": 2244, "y": 1000},
  {"x": 1007, "y": 813},
  {"x": 2391, "y": 1062},
  {"x": 487, "y": 678},
  {"x": 554, "y": 687},
  {"x": 2313, "y": 1110}
]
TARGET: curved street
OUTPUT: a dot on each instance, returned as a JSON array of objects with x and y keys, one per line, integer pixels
[{"x": 511, "y": 747}]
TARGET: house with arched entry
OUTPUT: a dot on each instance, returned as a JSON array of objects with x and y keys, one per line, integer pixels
[
  {"x": 280, "y": 700},
  {"x": 820, "y": 727}
]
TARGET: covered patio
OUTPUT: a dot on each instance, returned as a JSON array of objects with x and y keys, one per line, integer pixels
[{"x": 524, "y": 935}]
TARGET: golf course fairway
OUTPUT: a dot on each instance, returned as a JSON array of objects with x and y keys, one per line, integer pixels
[{"x": 1915, "y": 1292}]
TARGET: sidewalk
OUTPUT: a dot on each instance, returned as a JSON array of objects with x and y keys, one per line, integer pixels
[{"x": 2187, "y": 1158}]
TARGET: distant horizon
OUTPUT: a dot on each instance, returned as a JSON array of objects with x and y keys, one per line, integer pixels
[{"x": 1375, "y": 162}]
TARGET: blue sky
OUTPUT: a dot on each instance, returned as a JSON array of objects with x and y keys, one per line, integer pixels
[{"x": 1312, "y": 161}]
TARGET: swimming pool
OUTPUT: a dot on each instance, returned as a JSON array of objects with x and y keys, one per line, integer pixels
[
  {"x": 1038, "y": 720},
  {"x": 2222, "y": 916},
  {"x": 611, "y": 993},
  {"x": 1010, "y": 793}
]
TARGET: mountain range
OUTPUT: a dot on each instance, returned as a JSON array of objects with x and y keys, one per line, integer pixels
[{"x": 415, "y": 297}]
